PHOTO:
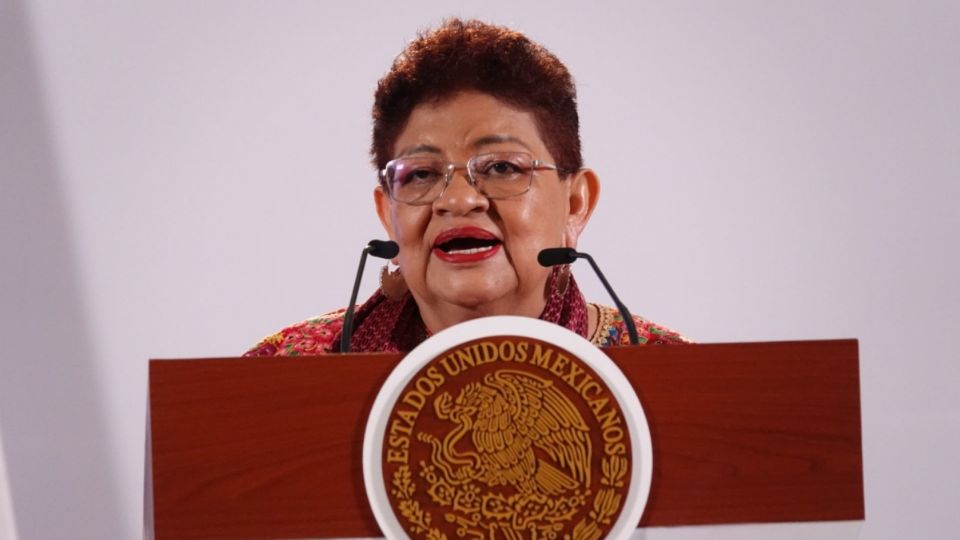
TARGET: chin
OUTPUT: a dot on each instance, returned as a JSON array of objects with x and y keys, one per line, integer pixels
[
  {"x": 475, "y": 295},
  {"x": 472, "y": 299}
]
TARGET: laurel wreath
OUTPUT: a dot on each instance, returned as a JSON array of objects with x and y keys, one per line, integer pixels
[
  {"x": 606, "y": 503},
  {"x": 403, "y": 490}
]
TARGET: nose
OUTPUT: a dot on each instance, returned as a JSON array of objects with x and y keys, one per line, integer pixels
[{"x": 461, "y": 196}]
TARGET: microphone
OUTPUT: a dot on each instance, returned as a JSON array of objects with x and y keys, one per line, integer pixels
[
  {"x": 554, "y": 256},
  {"x": 384, "y": 249}
]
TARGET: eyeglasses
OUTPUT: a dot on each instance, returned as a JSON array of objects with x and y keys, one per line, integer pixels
[{"x": 420, "y": 180}]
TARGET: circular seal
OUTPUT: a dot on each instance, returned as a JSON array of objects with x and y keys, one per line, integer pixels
[{"x": 507, "y": 427}]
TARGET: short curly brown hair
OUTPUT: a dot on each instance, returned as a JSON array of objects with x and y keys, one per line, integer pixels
[{"x": 473, "y": 55}]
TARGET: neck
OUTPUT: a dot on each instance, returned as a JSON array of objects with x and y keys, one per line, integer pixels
[{"x": 399, "y": 325}]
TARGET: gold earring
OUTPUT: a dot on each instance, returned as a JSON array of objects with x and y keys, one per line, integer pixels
[{"x": 392, "y": 284}]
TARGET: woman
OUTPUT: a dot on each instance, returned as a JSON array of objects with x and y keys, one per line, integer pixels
[{"x": 476, "y": 136}]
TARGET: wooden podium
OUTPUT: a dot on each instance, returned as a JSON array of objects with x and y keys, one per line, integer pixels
[{"x": 271, "y": 447}]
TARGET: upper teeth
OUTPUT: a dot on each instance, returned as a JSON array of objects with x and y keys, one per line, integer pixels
[{"x": 470, "y": 251}]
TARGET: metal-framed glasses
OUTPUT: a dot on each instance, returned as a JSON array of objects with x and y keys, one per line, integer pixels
[{"x": 420, "y": 180}]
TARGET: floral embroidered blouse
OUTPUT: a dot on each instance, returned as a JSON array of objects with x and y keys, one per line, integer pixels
[{"x": 319, "y": 335}]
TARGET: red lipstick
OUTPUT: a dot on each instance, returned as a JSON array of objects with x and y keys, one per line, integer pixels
[{"x": 464, "y": 245}]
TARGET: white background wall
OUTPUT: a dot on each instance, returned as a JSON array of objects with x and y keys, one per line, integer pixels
[{"x": 181, "y": 178}]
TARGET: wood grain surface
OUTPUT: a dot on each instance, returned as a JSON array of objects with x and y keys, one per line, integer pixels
[{"x": 271, "y": 447}]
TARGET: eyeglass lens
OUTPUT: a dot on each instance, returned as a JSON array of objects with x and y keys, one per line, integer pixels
[{"x": 422, "y": 179}]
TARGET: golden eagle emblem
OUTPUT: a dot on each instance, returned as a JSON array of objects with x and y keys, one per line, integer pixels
[
  {"x": 506, "y": 439},
  {"x": 516, "y": 461},
  {"x": 508, "y": 417}
]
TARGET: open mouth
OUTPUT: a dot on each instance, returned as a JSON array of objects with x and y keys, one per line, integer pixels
[{"x": 465, "y": 244}]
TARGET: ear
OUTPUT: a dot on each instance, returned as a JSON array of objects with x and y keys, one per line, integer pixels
[
  {"x": 382, "y": 201},
  {"x": 583, "y": 196}
]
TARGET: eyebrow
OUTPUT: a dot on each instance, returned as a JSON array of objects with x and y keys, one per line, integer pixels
[
  {"x": 421, "y": 148},
  {"x": 497, "y": 139},
  {"x": 482, "y": 141}
]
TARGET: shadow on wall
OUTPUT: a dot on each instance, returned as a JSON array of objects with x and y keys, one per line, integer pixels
[{"x": 57, "y": 451}]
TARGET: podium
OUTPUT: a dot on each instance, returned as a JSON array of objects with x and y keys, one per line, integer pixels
[{"x": 271, "y": 447}]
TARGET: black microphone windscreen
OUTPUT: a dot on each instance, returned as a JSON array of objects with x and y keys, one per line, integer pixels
[
  {"x": 554, "y": 256},
  {"x": 385, "y": 249}
]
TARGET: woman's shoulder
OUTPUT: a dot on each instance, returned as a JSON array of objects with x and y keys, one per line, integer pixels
[
  {"x": 612, "y": 330},
  {"x": 310, "y": 337}
]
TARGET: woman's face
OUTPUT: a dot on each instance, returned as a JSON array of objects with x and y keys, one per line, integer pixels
[{"x": 501, "y": 276}]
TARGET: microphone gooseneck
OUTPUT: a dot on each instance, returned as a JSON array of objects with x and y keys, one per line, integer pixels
[
  {"x": 384, "y": 249},
  {"x": 554, "y": 256}
]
